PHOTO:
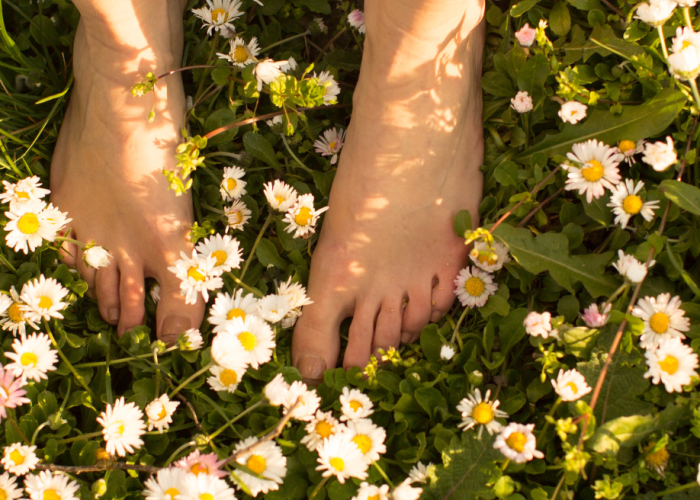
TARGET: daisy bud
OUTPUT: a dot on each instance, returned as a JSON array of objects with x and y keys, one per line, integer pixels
[
  {"x": 522, "y": 102},
  {"x": 572, "y": 112},
  {"x": 356, "y": 19},
  {"x": 475, "y": 378},
  {"x": 660, "y": 155},
  {"x": 447, "y": 352},
  {"x": 96, "y": 256},
  {"x": 99, "y": 488},
  {"x": 526, "y": 35},
  {"x": 318, "y": 27}
]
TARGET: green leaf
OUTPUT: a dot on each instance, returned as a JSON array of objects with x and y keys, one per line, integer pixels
[
  {"x": 267, "y": 255},
  {"x": 43, "y": 30},
  {"x": 8, "y": 43},
  {"x": 532, "y": 76},
  {"x": 598, "y": 209},
  {"x": 684, "y": 274},
  {"x": 462, "y": 223},
  {"x": 560, "y": 19},
  {"x": 496, "y": 304},
  {"x": 430, "y": 399},
  {"x": 430, "y": 342},
  {"x": 260, "y": 148},
  {"x": 511, "y": 330},
  {"x": 506, "y": 174},
  {"x": 219, "y": 118},
  {"x": 634, "y": 123},
  {"x": 549, "y": 252},
  {"x": 496, "y": 84},
  {"x": 521, "y": 8},
  {"x": 684, "y": 195},
  {"x": 220, "y": 75},
  {"x": 343, "y": 59},
  {"x": 579, "y": 340}
]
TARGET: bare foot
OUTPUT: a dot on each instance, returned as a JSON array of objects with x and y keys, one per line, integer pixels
[
  {"x": 106, "y": 170},
  {"x": 410, "y": 163}
]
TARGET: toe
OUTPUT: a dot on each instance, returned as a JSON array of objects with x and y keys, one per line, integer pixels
[
  {"x": 86, "y": 272},
  {"x": 107, "y": 288},
  {"x": 387, "y": 332},
  {"x": 174, "y": 316},
  {"x": 131, "y": 297},
  {"x": 442, "y": 297},
  {"x": 417, "y": 313},
  {"x": 360, "y": 335}
]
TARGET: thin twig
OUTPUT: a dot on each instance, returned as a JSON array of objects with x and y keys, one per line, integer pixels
[
  {"x": 539, "y": 207},
  {"x": 325, "y": 47}
]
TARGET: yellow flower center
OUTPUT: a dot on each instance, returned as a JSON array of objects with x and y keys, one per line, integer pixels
[
  {"x": 240, "y": 54},
  {"x": 355, "y": 405},
  {"x": 3, "y": 494},
  {"x": 516, "y": 441},
  {"x": 235, "y": 218},
  {"x": 120, "y": 428},
  {"x": 45, "y": 302},
  {"x": 193, "y": 272},
  {"x": 483, "y": 413},
  {"x": 17, "y": 457},
  {"x": 303, "y": 217},
  {"x": 173, "y": 492},
  {"x": 248, "y": 340},
  {"x": 573, "y": 387},
  {"x": 163, "y": 412},
  {"x": 489, "y": 260},
  {"x": 220, "y": 257},
  {"x": 280, "y": 200},
  {"x": 21, "y": 194},
  {"x": 257, "y": 464},
  {"x": 235, "y": 313},
  {"x": 51, "y": 494},
  {"x": 15, "y": 313},
  {"x": 230, "y": 184},
  {"x": 198, "y": 469},
  {"x": 217, "y": 14},
  {"x": 659, "y": 322},
  {"x": 337, "y": 463},
  {"x": 669, "y": 365},
  {"x": 28, "y": 358},
  {"x": 373, "y": 497},
  {"x": 28, "y": 223},
  {"x": 658, "y": 459},
  {"x": 331, "y": 145},
  {"x": 206, "y": 496},
  {"x": 228, "y": 377},
  {"x": 626, "y": 146},
  {"x": 632, "y": 204},
  {"x": 475, "y": 286},
  {"x": 592, "y": 171},
  {"x": 364, "y": 443},
  {"x": 685, "y": 44},
  {"x": 324, "y": 429}
]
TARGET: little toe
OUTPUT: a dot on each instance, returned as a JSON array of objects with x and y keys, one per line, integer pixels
[
  {"x": 173, "y": 315},
  {"x": 417, "y": 313},
  {"x": 360, "y": 335},
  {"x": 442, "y": 297},
  {"x": 107, "y": 288},
  {"x": 131, "y": 297},
  {"x": 387, "y": 332}
]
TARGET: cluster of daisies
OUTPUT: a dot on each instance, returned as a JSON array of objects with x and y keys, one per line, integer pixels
[{"x": 475, "y": 284}]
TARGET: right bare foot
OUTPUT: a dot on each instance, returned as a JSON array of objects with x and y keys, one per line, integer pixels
[{"x": 106, "y": 170}]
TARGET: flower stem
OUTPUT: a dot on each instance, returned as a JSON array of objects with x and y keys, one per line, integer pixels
[
  {"x": 237, "y": 417},
  {"x": 255, "y": 245},
  {"x": 662, "y": 39},
  {"x": 70, "y": 240},
  {"x": 561, "y": 483},
  {"x": 677, "y": 489},
  {"x": 318, "y": 487},
  {"x": 505, "y": 464},
  {"x": 286, "y": 144},
  {"x": 89, "y": 435},
  {"x": 247, "y": 287},
  {"x": 617, "y": 292},
  {"x": 694, "y": 86},
  {"x": 550, "y": 414},
  {"x": 383, "y": 474},
  {"x": 113, "y": 362},
  {"x": 294, "y": 37},
  {"x": 75, "y": 373},
  {"x": 459, "y": 323},
  {"x": 686, "y": 15},
  {"x": 36, "y": 432},
  {"x": 177, "y": 452},
  {"x": 190, "y": 379}
]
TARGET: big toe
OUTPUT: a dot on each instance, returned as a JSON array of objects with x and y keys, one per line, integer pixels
[{"x": 174, "y": 316}]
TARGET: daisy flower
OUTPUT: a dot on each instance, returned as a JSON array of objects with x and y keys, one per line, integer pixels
[
  {"x": 276, "y": 390},
  {"x": 8, "y": 487},
  {"x": 51, "y": 486},
  {"x": 19, "y": 459},
  {"x": 526, "y": 35},
  {"x": 240, "y": 54},
  {"x": 332, "y": 88},
  {"x": 290, "y": 319},
  {"x": 251, "y": 339},
  {"x": 356, "y": 19},
  {"x": 227, "y": 351},
  {"x": 219, "y": 14},
  {"x": 55, "y": 219},
  {"x": 295, "y": 292},
  {"x": 226, "y": 379},
  {"x": 273, "y": 308},
  {"x": 280, "y": 195},
  {"x": 33, "y": 357},
  {"x": 232, "y": 186},
  {"x": 539, "y": 325},
  {"x": 474, "y": 287},
  {"x": 11, "y": 392},
  {"x": 27, "y": 228},
  {"x": 572, "y": 112},
  {"x": 323, "y": 426},
  {"x": 198, "y": 274},
  {"x": 570, "y": 385},
  {"x": 655, "y": 12},
  {"x": 190, "y": 340},
  {"x": 42, "y": 298},
  {"x": 626, "y": 203},
  {"x": 302, "y": 217},
  {"x": 672, "y": 363},
  {"x": 684, "y": 62},
  {"x": 522, "y": 102},
  {"x": 318, "y": 27},
  {"x": 265, "y": 460},
  {"x": 206, "y": 487},
  {"x": 167, "y": 484},
  {"x": 330, "y": 144},
  {"x": 267, "y": 71},
  {"x": 368, "y": 437},
  {"x": 13, "y": 317},
  {"x": 405, "y": 491},
  {"x": 23, "y": 191},
  {"x": 489, "y": 259},
  {"x": 420, "y": 472},
  {"x": 225, "y": 249},
  {"x": 160, "y": 413},
  {"x": 629, "y": 148},
  {"x": 598, "y": 169},
  {"x": 307, "y": 402},
  {"x": 518, "y": 443},
  {"x": 630, "y": 268},
  {"x": 368, "y": 491},
  {"x": 155, "y": 293},
  {"x": 122, "y": 427},
  {"x": 663, "y": 318},
  {"x": 5, "y": 303},
  {"x": 196, "y": 463},
  {"x": 236, "y": 215},
  {"x": 594, "y": 318},
  {"x": 338, "y": 456},
  {"x": 227, "y": 308},
  {"x": 660, "y": 155},
  {"x": 477, "y": 411},
  {"x": 96, "y": 256},
  {"x": 354, "y": 405}
]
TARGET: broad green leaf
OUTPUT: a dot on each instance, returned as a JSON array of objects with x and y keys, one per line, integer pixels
[
  {"x": 496, "y": 84},
  {"x": 579, "y": 340},
  {"x": 462, "y": 223},
  {"x": 267, "y": 255},
  {"x": 343, "y": 59},
  {"x": 550, "y": 252},
  {"x": 634, "y": 123},
  {"x": 219, "y": 118},
  {"x": 260, "y": 148},
  {"x": 495, "y": 305},
  {"x": 43, "y": 30},
  {"x": 511, "y": 330},
  {"x": 560, "y": 19},
  {"x": 598, "y": 210},
  {"x": 430, "y": 400},
  {"x": 532, "y": 76},
  {"x": 430, "y": 342},
  {"x": 684, "y": 195},
  {"x": 506, "y": 174},
  {"x": 522, "y": 7}
]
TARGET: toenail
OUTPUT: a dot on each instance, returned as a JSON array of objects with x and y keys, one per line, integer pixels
[
  {"x": 311, "y": 369},
  {"x": 113, "y": 314},
  {"x": 435, "y": 317},
  {"x": 173, "y": 326},
  {"x": 406, "y": 337}
]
